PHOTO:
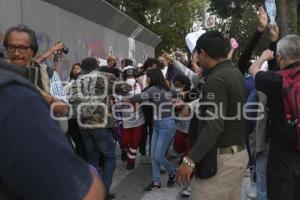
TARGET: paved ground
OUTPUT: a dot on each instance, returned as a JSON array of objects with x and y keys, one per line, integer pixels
[{"x": 128, "y": 185}]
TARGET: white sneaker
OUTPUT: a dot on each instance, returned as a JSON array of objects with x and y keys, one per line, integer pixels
[
  {"x": 253, "y": 192},
  {"x": 186, "y": 191}
]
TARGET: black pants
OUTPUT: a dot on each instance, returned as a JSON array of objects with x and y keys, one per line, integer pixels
[
  {"x": 283, "y": 180},
  {"x": 74, "y": 133},
  {"x": 147, "y": 130}
]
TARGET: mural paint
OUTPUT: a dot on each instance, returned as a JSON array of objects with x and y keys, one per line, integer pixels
[{"x": 90, "y": 47}]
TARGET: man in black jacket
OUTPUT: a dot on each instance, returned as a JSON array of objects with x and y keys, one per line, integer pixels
[{"x": 283, "y": 174}]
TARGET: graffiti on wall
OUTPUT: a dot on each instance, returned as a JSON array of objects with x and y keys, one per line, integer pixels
[{"x": 80, "y": 48}]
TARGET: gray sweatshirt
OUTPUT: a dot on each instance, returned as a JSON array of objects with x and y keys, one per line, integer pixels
[{"x": 160, "y": 99}]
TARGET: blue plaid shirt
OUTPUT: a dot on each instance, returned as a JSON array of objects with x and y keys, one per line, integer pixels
[{"x": 56, "y": 88}]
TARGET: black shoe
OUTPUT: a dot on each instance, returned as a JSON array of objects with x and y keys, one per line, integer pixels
[
  {"x": 109, "y": 196},
  {"x": 130, "y": 166},
  {"x": 124, "y": 156},
  {"x": 152, "y": 187},
  {"x": 171, "y": 181}
]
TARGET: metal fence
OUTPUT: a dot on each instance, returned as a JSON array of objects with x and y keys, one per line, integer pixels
[{"x": 87, "y": 27}]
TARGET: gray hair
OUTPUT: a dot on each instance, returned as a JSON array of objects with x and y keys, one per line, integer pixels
[{"x": 289, "y": 46}]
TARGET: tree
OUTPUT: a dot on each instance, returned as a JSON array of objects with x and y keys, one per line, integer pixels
[
  {"x": 171, "y": 19},
  {"x": 288, "y": 12},
  {"x": 238, "y": 21}
]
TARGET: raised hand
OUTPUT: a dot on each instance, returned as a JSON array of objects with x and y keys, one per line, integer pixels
[
  {"x": 58, "y": 46},
  {"x": 267, "y": 55},
  {"x": 262, "y": 19}
]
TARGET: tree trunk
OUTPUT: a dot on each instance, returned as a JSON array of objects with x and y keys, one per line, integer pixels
[
  {"x": 298, "y": 18},
  {"x": 282, "y": 16},
  {"x": 288, "y": 16},
  {"x": 292, "y": 16}
]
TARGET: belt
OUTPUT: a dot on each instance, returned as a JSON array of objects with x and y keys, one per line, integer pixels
[{"x": 232, "y": 149}]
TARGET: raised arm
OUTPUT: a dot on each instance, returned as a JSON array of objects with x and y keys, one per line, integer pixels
[
  {"x": 49, "y": 52},
  {"x": 247, "y": 53},
  {"x": 274, "y": 30}
]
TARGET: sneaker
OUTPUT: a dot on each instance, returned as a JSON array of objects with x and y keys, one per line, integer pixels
[
  {"x": 186, "y": 191},
  {"x": 252, "y": 194},
  {"x": 162, "y": 170},
  {"x": 124, "y": 156},
  {"x": 171, "y": 181},
  {"x": 130, "y": 166},
  {"x": 152, "y": 187},
  {"x": 109, "y": 196}
]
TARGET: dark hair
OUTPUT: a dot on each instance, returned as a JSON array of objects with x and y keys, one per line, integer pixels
[
  {"x": 89, "y": 64},
  {"x": 214, "y": 44},
  {"x": 23, "y": 28},
  {"x": 111, "y": 70},
  {"x": 150, "y": 62},
  {"x": 127, "y": 62},
  {"x": 183, "y": 80},
  {"x": 130, "y": 72},
  {"x": 71, "y": 73},
  {"x": 157, "y": 79}
]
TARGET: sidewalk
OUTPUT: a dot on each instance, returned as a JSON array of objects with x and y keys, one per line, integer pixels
[{"x": 129, "y": 185}]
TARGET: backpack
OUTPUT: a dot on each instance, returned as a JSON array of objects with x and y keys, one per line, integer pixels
[{"x": 291, "y": 101}]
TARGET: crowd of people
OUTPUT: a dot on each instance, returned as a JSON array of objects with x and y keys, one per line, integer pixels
[{"x": 221, "y": 117}]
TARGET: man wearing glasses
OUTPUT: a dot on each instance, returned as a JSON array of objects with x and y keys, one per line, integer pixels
[{"x": 21, "y": 45}]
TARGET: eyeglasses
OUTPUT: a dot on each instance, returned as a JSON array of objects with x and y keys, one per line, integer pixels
[{"x": 21, "y": 49}]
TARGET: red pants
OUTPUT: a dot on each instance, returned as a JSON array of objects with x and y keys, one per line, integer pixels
[
  {"x": 181, "y": 143},
  {"x": 131, "y": 138}
]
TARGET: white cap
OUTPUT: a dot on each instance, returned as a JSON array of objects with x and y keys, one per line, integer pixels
[
  {"x": 191, "y": 39},
  {"x": 139, "y": 65}
]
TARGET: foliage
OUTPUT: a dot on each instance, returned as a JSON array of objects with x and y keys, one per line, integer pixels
[
  {"x": 170, "y": 19},
  {"x": 238, "y": 21}
]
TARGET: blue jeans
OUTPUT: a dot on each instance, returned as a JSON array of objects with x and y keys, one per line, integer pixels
[
  {"x": 261, "y": 175},
  {"x": 163, "y": 134},
  {"x": 99, "y": 141}
]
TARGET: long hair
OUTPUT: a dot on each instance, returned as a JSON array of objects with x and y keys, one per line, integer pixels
[
  {"x": 183, "y": 80},
  {"x": 157, "y": 79},
  {"x": 72, "y": 76}
]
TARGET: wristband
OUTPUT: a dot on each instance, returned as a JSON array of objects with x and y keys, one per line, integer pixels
[{"x": 187, "y": 162}]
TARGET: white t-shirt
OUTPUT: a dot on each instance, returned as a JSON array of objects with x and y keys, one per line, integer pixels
[
  {"x": 136, "y": 118},
  {"x": 164, "y": 71}
]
